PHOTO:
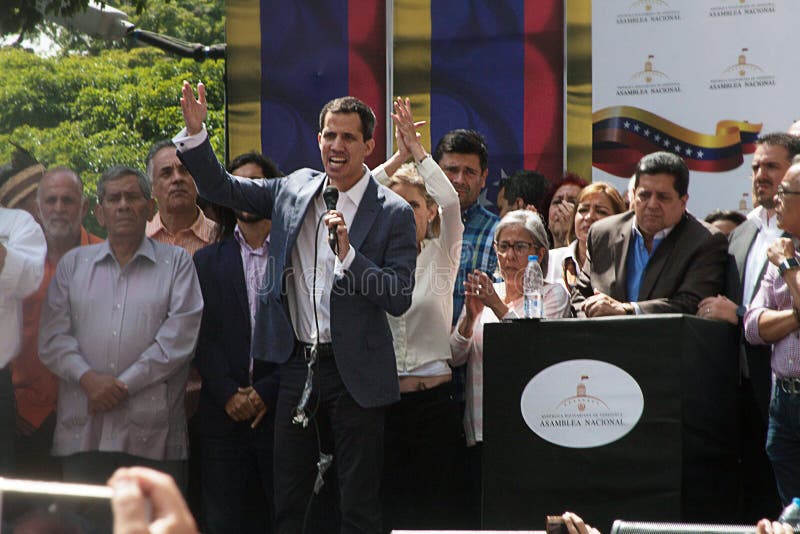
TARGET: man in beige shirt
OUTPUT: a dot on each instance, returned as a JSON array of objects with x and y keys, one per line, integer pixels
[{"x": 179, "y": 221}]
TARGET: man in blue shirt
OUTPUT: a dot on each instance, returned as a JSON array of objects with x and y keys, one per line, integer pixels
[{"x": 657, "y": 258}]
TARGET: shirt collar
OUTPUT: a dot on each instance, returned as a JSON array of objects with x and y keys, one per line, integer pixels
[
  {"x": 470, "y": 211},
  {"x": 237, "y": 233},
  {"x": 661, "y": 234},
  {"x": 355, "y": 193},
  {"x": 146, "y": 250},
  {"x": 760, "y": 217},
  {"x": 202, "y": 227}
]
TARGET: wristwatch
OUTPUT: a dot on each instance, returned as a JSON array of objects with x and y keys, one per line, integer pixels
[
  {"x": 740, "y": 311},
  {"x": 787, "y": 265}
]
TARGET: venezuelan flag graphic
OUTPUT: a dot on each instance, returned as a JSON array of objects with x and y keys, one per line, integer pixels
[
  {"x": 492, "y": 65},
  {"x": 621, "y": 135},
  {"x": 312, "y": 52}
]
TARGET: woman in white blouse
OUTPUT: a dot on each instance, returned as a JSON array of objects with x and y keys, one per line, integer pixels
[
  {"x": 424, "y": 427},
  {"x": 519, "y": 234}
]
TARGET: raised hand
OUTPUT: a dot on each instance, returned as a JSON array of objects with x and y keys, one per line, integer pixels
[
  {"x": 406, "y": 129},
  {"x": 195, "y": 110}
]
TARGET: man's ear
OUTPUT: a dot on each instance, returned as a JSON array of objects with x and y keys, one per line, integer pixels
[
  {"x": 98, "y": 214},
  {"x": 151, "y": 209},
  {"x": 370, "y": 146}
]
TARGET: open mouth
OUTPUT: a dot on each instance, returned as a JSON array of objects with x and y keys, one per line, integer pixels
[{"x": 337, "y": 161}]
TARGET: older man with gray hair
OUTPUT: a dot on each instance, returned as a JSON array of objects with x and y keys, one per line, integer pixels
[{"x": 119, "y": 327}]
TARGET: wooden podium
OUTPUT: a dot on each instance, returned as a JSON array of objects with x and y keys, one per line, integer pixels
[{"x": 677, "y": 463}]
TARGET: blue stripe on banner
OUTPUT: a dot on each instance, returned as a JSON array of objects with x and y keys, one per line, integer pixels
[
  {"x": 304, "y": 64},
  {"x": 477, "y": 77}
]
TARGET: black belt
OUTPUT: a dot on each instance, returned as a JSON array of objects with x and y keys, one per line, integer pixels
[
  {"x": 788, "y": 385},
  {"x": 324, "y": 350}
]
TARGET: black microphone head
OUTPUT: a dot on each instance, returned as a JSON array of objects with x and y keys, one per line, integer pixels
[{"x": 331, "y": 196}]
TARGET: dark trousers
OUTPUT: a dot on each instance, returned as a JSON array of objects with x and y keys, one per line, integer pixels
[
  {"x": 237, "y": 480},
  {"x": 783, "y": 442},
  {"x": 759, "y": 495},
  {"x": 32, "y": 457},
  {"x": 356, "y": 435},
  {"x": 7, "y": 422},
  {"x": 420, "y": 489}
]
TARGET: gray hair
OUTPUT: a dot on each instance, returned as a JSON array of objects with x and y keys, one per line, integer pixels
[
  {"x": 118, "y": 172},
  {"x": 531, "y": 222},
  {"x": 157, "y": 147}
]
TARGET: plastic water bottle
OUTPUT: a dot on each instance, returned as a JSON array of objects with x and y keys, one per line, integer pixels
[
  {"x": 791, "y": 514},
  {"x": 532, "y": 289}
]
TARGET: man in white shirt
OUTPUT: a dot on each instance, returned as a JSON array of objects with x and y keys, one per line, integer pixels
[
  {"x": 748, "y": 263},
  {"x": 22, "y": 252}
]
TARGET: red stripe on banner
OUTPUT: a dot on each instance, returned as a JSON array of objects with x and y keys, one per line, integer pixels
[
  {"x": 366, "y": 27},
  {"x": 544, "y": 87}
]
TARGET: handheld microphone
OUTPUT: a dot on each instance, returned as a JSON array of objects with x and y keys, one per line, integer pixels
[{"x": 331, "y": 196}]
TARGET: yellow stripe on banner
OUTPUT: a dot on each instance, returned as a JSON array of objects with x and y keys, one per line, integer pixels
[
  {"x": 412, "y": 59},
  {"x": 243, "y": 36},
  {"x": 578, "y": 113}
]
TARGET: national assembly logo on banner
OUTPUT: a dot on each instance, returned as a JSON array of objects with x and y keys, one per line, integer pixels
[
  {"x": 649, "y": 81},
  {"x": 741, "y": 8},
  {"x": 582, "y": 403},
  {"x": 648, "y": 11},
  {"x": 743, "y": 74}
]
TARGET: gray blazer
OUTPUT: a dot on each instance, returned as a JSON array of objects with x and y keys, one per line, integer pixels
[{"x": 379, "y": 281}]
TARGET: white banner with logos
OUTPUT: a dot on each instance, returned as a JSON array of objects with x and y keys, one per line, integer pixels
[{"x": 698, "y": 78}]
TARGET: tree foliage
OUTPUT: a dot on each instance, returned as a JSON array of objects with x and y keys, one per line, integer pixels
[{"x": 92, "y": 112}]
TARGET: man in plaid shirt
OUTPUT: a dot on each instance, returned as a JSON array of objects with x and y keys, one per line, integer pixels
[{"x": 463, "y": 157}]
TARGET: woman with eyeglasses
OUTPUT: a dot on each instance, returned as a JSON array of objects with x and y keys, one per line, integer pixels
[
  {"x": 596, "y": 201},
  {"x": 423, "y": 428},
  {"x": 519, "y": 234}
]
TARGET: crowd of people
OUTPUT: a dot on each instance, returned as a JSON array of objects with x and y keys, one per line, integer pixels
[{"x": 304, "y": 353}]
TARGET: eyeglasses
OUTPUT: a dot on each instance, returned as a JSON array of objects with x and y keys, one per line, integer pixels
[
  {"x": 520, "y": 247},
  {"x": 783, "y": 192}
]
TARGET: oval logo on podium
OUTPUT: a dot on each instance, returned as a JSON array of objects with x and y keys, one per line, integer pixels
[{"x": 582, "y": 403}]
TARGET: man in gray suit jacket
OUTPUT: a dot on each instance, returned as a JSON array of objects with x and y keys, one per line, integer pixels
[
  {"x": 656, "y": 259},
  {"x": 323, "y": 310}
]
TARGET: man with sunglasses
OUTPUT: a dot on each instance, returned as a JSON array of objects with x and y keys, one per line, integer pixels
[
  {"x": 657, "y": 258},
  {"x": 773, "y": 318}
]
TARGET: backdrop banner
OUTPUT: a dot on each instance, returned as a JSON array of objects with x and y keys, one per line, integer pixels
[{"x": 692, "y": 78}]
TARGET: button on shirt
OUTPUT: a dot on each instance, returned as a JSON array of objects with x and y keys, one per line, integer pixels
[
  {"x": 773, "y": 294},
  {"x": 202, "y": 232},
  {"x": 254, "y": 265},
  {"x": 301, "y": 276},
  {"x": 138, "y": 323}
]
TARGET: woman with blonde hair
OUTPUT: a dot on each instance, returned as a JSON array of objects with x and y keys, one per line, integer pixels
[{"x": 423, "y": 429}]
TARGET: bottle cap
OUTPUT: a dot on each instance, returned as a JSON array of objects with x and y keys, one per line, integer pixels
[{"x": 533, "y": 257}]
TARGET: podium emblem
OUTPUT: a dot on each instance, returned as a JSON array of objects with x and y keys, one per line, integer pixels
[{"x": 582, "y": 403}]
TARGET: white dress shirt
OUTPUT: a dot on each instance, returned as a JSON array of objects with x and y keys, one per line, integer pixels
[
  {"x": 768, "y": 232},
  {"x": 20, "y": 276},
  {"x": 301, "y": 273}
]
